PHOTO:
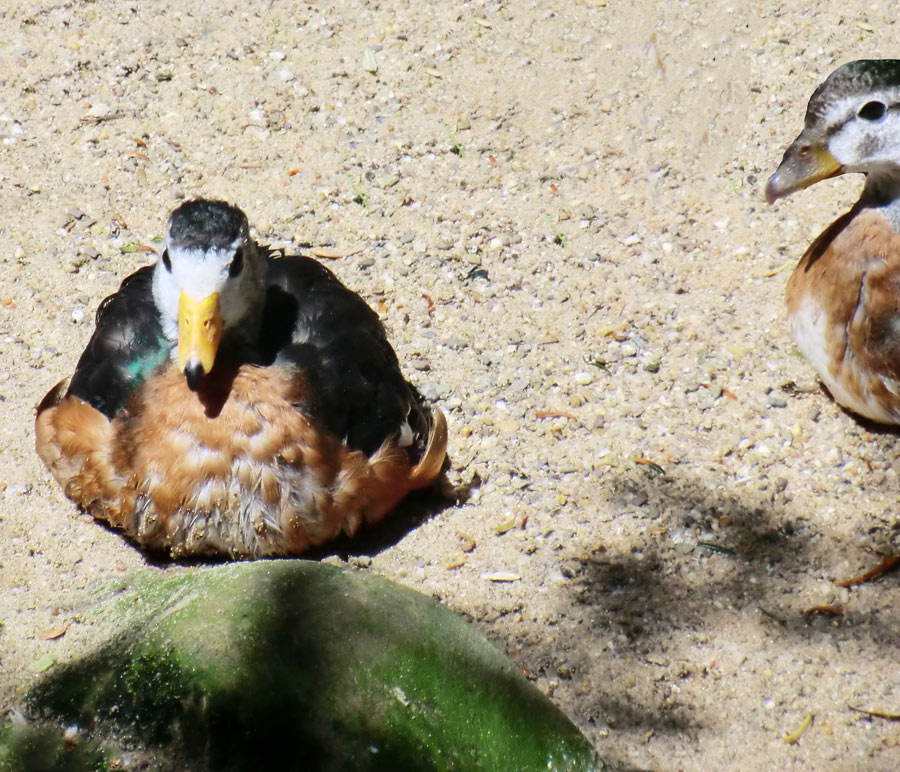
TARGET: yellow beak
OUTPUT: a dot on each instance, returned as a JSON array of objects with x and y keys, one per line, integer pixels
[{"x": 199, "y": 331}]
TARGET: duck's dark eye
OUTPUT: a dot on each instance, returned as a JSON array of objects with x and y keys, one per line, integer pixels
[
  {"x": 166, "y": 261},
  {"x": 872, "y": 111},
  {"x": 237, "y": 263}
]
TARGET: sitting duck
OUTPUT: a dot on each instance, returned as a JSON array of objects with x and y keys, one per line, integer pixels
[{"x": 234, "y": 401}]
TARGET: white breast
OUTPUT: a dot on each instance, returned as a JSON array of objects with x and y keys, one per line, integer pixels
[{"x": 809, "y": 324}]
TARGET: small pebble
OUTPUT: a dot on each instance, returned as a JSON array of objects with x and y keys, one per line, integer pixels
[
  {"x": 502, "y": 576},
  {"x": 455, "y": 343},
  {"x": 99, "y": 110}
]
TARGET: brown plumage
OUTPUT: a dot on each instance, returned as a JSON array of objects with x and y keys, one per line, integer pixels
[
  {"x": 843, "y": 302},
  {"x": 843, "y": 298},
  {"x": 250, "y": 461}
]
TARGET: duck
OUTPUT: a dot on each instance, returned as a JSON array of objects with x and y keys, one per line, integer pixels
[
  {"x": 235, "y": 401},
  {"x": 843, "y": 297}
]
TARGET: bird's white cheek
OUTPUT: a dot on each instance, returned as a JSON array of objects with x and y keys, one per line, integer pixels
[{"x": 165, "y": 294}]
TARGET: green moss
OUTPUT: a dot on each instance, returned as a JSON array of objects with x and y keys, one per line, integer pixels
[
  {"x": 241, "y": 666},
  {"x": 473, "y": 704},
  {"x": 31, "y": 749}
]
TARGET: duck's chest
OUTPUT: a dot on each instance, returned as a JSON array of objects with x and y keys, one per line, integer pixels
[
  {"x": 242, "y": 471},
  {"x": 843, "y": 303}
]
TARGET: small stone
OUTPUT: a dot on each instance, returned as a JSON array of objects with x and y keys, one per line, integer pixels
[
  {"x": 776, "y": 401},
  {"x": 77, "y": 314},
  {"x": 583, "y": 378},
  {"x": 455, "y": 343},
  {"x": 834, "y": 457},
  {"x": 99, "y": 110},
  {"x": 507, "y": 425},
  {"x": 502, "y": 576},
  {"x": 369, "y": 62}
]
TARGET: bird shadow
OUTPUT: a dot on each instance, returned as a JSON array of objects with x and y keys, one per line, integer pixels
[
  {"x": 865, "y": 424},
  {"x": 413, "y": 511}
]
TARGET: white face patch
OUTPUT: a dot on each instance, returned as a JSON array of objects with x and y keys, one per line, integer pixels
[
  {"x": 860, "y": 144},
  {"x": 199, "y": 273}
]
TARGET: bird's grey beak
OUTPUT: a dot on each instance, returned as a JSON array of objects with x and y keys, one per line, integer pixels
[{"x": 805, "y": 163}]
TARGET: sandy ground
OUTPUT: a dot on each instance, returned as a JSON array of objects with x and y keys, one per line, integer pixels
[{"x": 564, "y": 229}]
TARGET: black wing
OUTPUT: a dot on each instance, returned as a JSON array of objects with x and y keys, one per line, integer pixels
[
  {"x": 317, "y": 325},
  {"x": 126, "y": 347}
]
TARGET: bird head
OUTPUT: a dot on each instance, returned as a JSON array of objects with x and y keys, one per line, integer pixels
[
  {"x": 852, "y": 125},
  {"x": 208, "y": 281}
]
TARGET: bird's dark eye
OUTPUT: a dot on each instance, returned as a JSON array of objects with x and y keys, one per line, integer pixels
[
  {"x": 237, "y": 263},
  {"x": 166, "y": 261},
  {"x": 872, "y": 111}
]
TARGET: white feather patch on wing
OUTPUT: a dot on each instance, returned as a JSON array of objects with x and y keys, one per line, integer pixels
[{"x": 406, "y": 435}]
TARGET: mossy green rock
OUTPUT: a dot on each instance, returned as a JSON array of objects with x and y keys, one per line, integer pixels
[{"x": 293, "y": 665}]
